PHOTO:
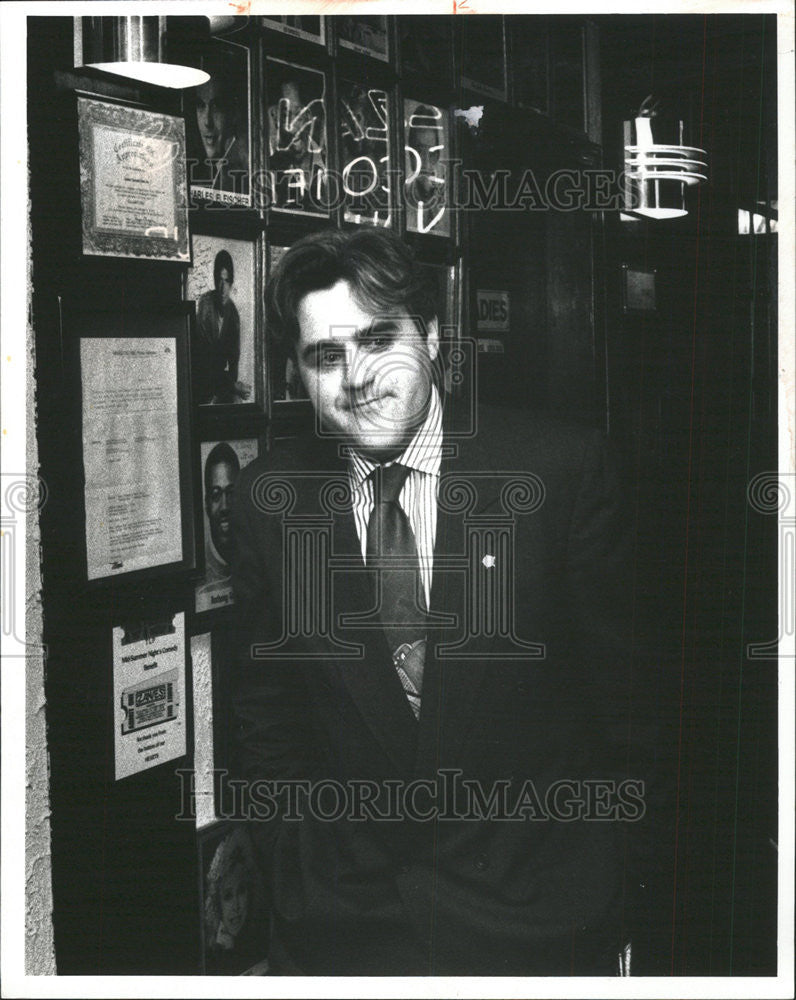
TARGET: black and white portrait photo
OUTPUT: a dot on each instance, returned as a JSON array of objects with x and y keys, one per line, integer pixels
[
  {"x": 221, "y": 465},
  {"x": 296, "y": 137},
  {"x": 221, "y": 283},
  {"x": 398, "y": 499},
  {"x": 235, "y": 920},
  {"x": 218, "y": 120}
]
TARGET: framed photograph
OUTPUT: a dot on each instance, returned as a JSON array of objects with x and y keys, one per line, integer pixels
[
  {"x": 221, "y": 462},
  {"x": 136, "y": 458},
  {"x": 483, "y": 69},
  {"x": 286, "y": 384},
  {"x": 223, "y": 282},
  {"x": 426, "y": 47},
  {"x": 427, "y": 154},
  {"x": 218, "y": 123},
  {"x": 296, "y": 132},
  {"x": 133, "y": 189},
  {"x": 307, "y": 26},
  {"x": 365, "y": 153},
  {"x": 529, "y": 48},
  {"x": 638, "y": 290},
  {"x": 366, "y": 34},
  {"x": 234, "y": 916},
  {"x": 568, "y": 72}
]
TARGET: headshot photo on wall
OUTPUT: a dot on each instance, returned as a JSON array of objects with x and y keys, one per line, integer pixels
[
  {"x": 365, "y": 153},
  {"x": 296, "y": 124},
  {"x": 218, "y": 126},
  {"x": 221, "y": 465},
  {"x": 365, "y": 34},
  {"x": 286, "y": 384},
  {"x": 427, "y": 152},
  {"x": 221, "y": 283},
  {"x": 235, "y": 924}
]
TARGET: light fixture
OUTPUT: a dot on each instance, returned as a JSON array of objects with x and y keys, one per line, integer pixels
[
  {"x": 133, "y": 47},
  {"x": 659, "y": 169}
]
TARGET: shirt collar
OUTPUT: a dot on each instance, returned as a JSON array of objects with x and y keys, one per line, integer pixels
[{"x": 424, "y": 451}]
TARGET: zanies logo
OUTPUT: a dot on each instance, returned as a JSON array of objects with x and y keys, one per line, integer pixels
[
  {"x": 150, "y": 695},
  {"x": 148, "y": 704},
  {"x": 493, "y": 311}
]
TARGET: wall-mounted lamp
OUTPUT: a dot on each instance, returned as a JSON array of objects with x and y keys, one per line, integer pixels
[
  {"x": 133, "y": 47},
  {"x": 658, "y": 169}
]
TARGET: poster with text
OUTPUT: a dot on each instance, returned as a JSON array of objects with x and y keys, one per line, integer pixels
[{"x": 148, "y": 695}]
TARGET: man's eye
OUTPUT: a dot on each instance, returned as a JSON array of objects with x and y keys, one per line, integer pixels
[
  {"x": 378, "y": 342},
  {"x": 331, "y": 358}
]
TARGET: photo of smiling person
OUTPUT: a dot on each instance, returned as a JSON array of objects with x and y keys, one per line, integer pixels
[
  {"x": 221, "y": 282},
  {"x": 218, "y": 128},
  {"x": 235, "y": 934},
  {"x": 221, "y": 464}
]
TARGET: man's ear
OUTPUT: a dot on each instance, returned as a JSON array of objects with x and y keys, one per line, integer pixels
[{"x": 432, "y": 338}]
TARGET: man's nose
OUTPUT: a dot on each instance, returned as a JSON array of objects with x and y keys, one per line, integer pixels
[{"x": 355, "y": 369}]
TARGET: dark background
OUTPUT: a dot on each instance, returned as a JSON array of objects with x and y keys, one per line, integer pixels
[{"x": 687, "y": 394}]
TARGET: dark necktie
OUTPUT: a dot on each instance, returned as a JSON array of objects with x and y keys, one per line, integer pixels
[{"x": 391, "y": 551}]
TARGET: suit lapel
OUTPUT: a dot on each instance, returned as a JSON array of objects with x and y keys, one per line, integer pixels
[
  {"x": 450, "y": 685},
  {"x": 371, "y": 681}
]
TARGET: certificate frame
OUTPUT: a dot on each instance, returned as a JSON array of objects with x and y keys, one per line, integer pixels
[
  {"x": 112, "y": 136},
  {"x": 82, "y": 326}
]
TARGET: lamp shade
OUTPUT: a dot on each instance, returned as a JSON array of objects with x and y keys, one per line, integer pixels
[
  {"x": 133, "y": 47},
  {"x": 659, "y": 169}
]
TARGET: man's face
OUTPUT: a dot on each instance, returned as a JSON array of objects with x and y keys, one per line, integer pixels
[
  {"x": 369, "y": 375},
  {"x": 425, "y": 150},
  {"x": 223, "y": 286},
  {"x": 211, "y": 117},
  {"x": 217, "y": 504}
]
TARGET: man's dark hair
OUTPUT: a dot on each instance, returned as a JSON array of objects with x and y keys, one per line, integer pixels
[
  {"x": 220, "y": 453},
  {"x": 380, "y": 267},
  {"x": 223, "y": 260}
]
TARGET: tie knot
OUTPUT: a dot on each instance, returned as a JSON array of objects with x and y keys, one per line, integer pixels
[{"x": 388, "y": 481}]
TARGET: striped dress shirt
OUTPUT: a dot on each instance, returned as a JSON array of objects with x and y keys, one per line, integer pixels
[{"x": 418, "y": 498}]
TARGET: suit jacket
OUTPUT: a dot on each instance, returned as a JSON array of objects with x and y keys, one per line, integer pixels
[{"x": 527, "y": 683}]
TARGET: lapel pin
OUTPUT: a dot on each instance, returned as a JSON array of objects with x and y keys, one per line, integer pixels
[{"x": 488, "y": 561}]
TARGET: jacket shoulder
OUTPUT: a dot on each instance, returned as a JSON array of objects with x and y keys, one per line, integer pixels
[{"x": 515, "y": 439}]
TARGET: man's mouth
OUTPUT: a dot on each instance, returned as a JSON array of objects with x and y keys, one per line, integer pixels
[{"x": 361, "y": 405}]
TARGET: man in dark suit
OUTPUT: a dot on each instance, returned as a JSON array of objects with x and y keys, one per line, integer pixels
[{"x": 435, "y": 646}]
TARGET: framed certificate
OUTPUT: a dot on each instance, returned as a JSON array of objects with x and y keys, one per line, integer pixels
[
  {"x": 136, "y": 450},
  {"x": 133, "y": 188}
]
